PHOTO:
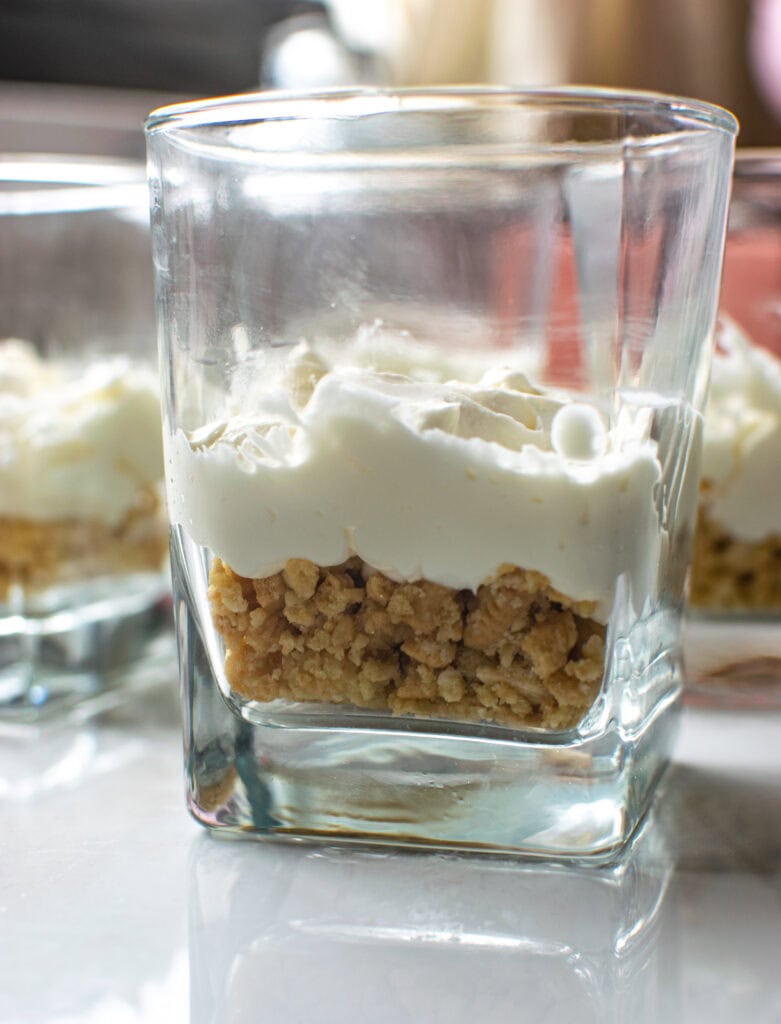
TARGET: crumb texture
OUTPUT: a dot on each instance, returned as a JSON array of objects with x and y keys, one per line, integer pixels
[
  {"x": 730, "y": 574},
  {"x": 516, "y": 652},
  {"x": 36, "y": 554}
]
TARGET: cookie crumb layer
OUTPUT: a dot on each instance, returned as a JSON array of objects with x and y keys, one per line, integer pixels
[
  {"x": 36, "y": 554},
  {"x": 729, "y": 574},
  {"x": 516, "y": 652}
]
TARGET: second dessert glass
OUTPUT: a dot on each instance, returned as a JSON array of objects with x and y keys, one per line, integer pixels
[
  {"x": 84, "y": 586},
  {"x": 434, "y": 371},
  {"x": 733, "y": 625}
]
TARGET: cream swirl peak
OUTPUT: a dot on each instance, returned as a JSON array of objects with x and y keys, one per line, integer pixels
[{"x": 742, "y": 440}]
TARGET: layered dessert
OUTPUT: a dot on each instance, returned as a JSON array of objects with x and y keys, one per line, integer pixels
[
  {"x": 737, "y": 558},
  {"x": 394, "y": 529},
  {"x": 80, "y": 472}
]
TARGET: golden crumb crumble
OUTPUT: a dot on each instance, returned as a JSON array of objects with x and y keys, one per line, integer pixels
[
  {"x": 730, "y": 574},
  {"x": 516, "y": 652},
  {"x": 35, "y": 554}
]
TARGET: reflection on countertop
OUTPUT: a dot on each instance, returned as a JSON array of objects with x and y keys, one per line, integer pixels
[
  {"x": 721, "y": 802},
  {"x": 92, "y": 856},
  {"x": 305, "y": 933},
  {"x": 311, "y": 933},
  {"x": 100, "y": 871}
]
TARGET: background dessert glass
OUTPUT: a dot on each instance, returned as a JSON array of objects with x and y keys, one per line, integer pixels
[
  {"x": 84, "y": 592},
  {"x": 733, "y": 626},
  {"x": 436, "y": 363}
]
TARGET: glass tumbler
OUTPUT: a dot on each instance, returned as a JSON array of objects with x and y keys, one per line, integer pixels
[
  {"x": 733, "y": 625},
  {"x": 84, "y": 585},
  {"x": 434, "y": 365}
]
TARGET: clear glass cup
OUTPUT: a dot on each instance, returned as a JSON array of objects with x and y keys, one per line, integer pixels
[
  {"x": 733, "y": 624},
  {"x": 84, "y": 582},
  {"x": 434, "y": 370}
]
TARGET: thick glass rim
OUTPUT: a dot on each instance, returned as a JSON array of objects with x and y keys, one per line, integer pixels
[
  {"x": 758, "y": 163},
  {"x": 682, "y": 113},
  {"x": 52, "y": 183},
  {"x": 67, "y": 169}
]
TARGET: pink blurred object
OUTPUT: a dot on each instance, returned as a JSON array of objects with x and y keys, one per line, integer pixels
[{"x": 751, "y": 285}]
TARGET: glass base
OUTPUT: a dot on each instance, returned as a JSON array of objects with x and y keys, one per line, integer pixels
[
  {"x": 292, "y": 774},
  {"x": 87, "y": 643},
  {"x": 733, "y": 661}
]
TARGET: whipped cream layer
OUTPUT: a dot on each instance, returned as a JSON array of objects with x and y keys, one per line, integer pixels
[
  {"x": 422, "y": 478},
  {"x": 742, "y": 443},
  {"x": 75, "y": 440}
]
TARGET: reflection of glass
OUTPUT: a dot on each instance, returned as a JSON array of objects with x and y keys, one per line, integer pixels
[
  {"x": 294, "y": 934},
  {"x": 29, "y": 767},
  {"x": 436, "y": 363},
  {"x": 83, "y": 592},
  {"x": 733, "y": 636},
  {"x": 43, "y": 759},
  {"x": 92, "y": 903}
]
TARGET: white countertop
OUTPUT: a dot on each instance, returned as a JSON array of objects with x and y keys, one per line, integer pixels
[{"x": 116, "y": 907}]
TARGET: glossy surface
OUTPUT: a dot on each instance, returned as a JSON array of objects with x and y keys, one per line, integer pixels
[{"x": 133, "y": 914}]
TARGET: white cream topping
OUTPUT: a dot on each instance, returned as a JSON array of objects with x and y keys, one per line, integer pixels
[
  {"x": 422, "y": 478},
  {"x": 75, "y": 440},
  {"x": 742, "y": 451}
]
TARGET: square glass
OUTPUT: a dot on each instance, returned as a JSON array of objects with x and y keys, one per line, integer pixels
[
  {"x": 84, "y": 583},
  {"x": 435, "y": 363},
  {"x": 733, "y": 623}
]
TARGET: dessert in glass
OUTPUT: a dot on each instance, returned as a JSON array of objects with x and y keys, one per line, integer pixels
[
  {"x": 732, "y": 634},
  {"x": 435, "y": 366},
  {"x": 83, "y": 531}
]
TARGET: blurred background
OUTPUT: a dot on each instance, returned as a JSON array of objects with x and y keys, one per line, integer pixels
[{"x": 79, "y": 76}]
